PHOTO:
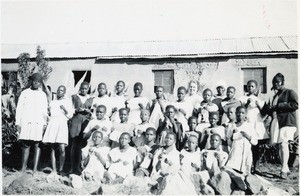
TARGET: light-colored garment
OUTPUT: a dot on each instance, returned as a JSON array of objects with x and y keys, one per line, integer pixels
[
  {"x": 119, "y": 128},
  {"x": 157, "y": 114},
  {"x": 195, "y": 100},
  {"x": 104, "y": 126},
  {"x": 119, "y": 168},
  {"x": 205, "y": 109},
  {"x": 188, "y": 159},
  {"x": 57, "y": 130},
  {"x": 183, "y": 119},
  {"x": 219, "y": 130},
  {"x": 240, "y": 156},
  {"x": 207, "y": 162},
  {"x": 104, "y": 100},
  {"x": 135, "y": 111},
  {"x": 254, "y": 116},
  {"x": 94, "y": 167},
  {"x": 31, "y": 114},
  {"x": 117, "y": 101}
]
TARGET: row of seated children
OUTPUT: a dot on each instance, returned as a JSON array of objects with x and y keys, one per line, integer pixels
[{"x": 155, "y": 160}]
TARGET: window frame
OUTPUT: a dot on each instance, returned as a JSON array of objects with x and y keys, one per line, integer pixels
[
  {"x": 264, "y": 76},
  {"x": 172, "y": 79}
]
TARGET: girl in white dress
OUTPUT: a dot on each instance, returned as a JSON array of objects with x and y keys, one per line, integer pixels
[
  {"x": 244, "y": 136},
  {"x": 118, "y": 100},
  {"x": 57, "y": 132},
  {"x": 102, "y": 99},
  {"x": 253, "y": 104},
  {"x": 102, "y": 124},
  {"x": 136, "y": 104},
  {"x": 31, "y": 119},
  {"x": 94, "y": 158},
  {"x": 121, "y": 160},
  {"x": 158, "y": 107}
]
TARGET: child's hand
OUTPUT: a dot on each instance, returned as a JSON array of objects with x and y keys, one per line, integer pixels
[
  {"x": 91, "y": 150},
  {"x": 182, "y": 111},
  {"x": 150, "y": 155},
  {"x": 126, "y": 102},
  {"x": 141, "y": 106},
  {"x": 95, "y": 105},
  {"x": 125, "y": 163},
  {"x": 217, "y": 155},
  {"x": 160, "y": 156},
  {"x": 234, "y": 130},
  {"x": 181, "y": 156},
  {"x": 248, "y": 137},
  {"x": 96, "y": 127},
  {"x": 104, "y": 129},
  {"x": 114, "y": 109},
  {"x": 168, "y": 162},
  {"x": 194, "y": 165}
]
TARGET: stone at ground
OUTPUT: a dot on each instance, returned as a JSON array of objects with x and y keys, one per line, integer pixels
[
  {"x": 202, "y": 175},
  {"x": 76, "y": 181},
  {"x": 222, "y": 183},
  {"x": 238, "y": 178},
  {"x": 253, "y": 183},
  {"x": 264, "y": 183},
  {"x": 274, "y": 191},
  {"x": 238, "y": 192},
  {"x": 290, "y": 190},
  {"x": 205, "y": 189}
]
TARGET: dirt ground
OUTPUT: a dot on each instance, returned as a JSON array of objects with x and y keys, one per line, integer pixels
[{"x": 17, "y": 183}]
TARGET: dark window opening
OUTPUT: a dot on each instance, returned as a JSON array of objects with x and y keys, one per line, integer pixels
[{"x": 164, "y": 78}]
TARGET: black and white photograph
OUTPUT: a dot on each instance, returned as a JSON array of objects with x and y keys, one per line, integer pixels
[{"x": 149, "y": 97}]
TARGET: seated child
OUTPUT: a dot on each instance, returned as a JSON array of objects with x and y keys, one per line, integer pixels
[
  {"x": 192, "y": 122},
  {"x": 94, "y": 158},
  {"x": 119, "y": 128},
  {"x": 214, "y": 128},
  {"x": 190, "y": 156},
  {"x": 102, "y": 124},
  {"x": 158, "y": 106},
  {"x": 145, "y": 153},
  {"x": 244, "y": 136},
  {"x": 184, "y": 108},
  {"x": 136, "y": 104},
  {"x": 229, "y": 101},
  {"x": 170, "y": 125},
  {"x": 139, "y": 131},
  {"x": 121, "y": 160},
  {"x": 214, "y": 157},
  {"x": 206, "y": 106}
]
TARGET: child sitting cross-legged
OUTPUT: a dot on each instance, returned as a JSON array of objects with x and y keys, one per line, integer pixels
[
  {"x": 94, "y": 158},
  {"x": 121, "y": 160}
]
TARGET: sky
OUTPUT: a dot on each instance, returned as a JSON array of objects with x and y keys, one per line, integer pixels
[{"x": 38, "y": 22}]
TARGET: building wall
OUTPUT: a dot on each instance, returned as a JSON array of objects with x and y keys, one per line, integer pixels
[{"x": 207, "y": 72}]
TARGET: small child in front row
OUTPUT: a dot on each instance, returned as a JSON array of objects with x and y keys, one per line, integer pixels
[
  {"x": 190, "y": 156},
  {"x": 158, "y": 106},
  {"x": 229, "y": 101},
  {"x": 192, "y": 122},
  {"x": 101, "y": 123},
  {"x": 214, "y": 158},
  {"x": 228, "y": 126},
  {"x": 170, "y": 125},
  {"x": 244, "y": 136},
  {"x": 94, "y": 158},
  {"x": 213, "y": 128},
  {"x": 119, "y": 128},
  {"x": 122, "y": 160}
]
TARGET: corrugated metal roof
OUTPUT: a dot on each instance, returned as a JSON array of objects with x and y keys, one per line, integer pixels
[{"x": 158, "y": 49}]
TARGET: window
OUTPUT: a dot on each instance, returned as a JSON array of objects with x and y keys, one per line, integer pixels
[
  {"x": 258, "y": 74},
  {"x": 164, "y": 78},
  {"x": 79, "y": 74}
]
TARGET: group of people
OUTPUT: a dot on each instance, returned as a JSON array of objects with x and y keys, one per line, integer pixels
[{"x": 113, "y": 137}]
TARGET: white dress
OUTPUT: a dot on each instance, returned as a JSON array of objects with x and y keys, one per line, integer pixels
[
  {"x": 57, "y": 130},
  {"x": 119, "y": 128},
  {"x": 119, "y": 168},
  {"x": 94, "y": 166},
  {"x": 135, "y": 112},
  {"x": 117, "y": 101},
  {"x": 219, "y": 130},
  {"x": 183, "y": 119},
  {"x": 195, "y": 100},
  {"x": 255, "y": 117},
  {"x": 157, "y": 113},
  {"x": 104, "y": 126},
  {"x": 240, "y": 156},
  {"x": 104, "y": 100},
  {"x": 188, "y": 159},
  {"x": 31, "y": 114},
  {"x": 203, "y": 117}
]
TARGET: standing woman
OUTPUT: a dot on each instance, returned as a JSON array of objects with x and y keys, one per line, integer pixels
[
  {"x": 31, "y": 120},
  {"x": 283, "y": 126},
  {"x": 193, "y": 97}
]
